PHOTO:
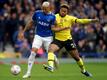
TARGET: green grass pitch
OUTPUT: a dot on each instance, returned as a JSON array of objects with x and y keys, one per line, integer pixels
[{"x": 66, "y": 71}]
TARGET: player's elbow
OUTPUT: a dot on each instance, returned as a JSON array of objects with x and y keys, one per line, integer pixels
[{"x": 31, "y": 23}]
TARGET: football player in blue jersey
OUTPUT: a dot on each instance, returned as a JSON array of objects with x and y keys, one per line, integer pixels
[{"x": 43, "y": 20}]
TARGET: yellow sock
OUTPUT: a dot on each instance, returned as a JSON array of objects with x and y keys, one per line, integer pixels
[
  {"x": 51, "y": 59},
  {"x": 81, "y": 65}
]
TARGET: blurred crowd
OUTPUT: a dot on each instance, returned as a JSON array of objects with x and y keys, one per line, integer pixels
[{"x": 90, "y": 38}]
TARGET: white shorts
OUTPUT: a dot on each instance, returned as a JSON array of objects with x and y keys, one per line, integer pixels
[{"x": 38, "y": 41}]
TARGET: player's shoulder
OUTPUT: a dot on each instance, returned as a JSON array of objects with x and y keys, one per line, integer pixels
[
  {"x": 71, "y": 17},
  {"x": 38, "y": 11},
  {"x": 51, "y": 14},
  {"x": 57, "y": 14}
]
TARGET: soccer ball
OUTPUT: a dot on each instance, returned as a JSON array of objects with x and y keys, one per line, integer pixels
[{"x": 15, "y": 69}]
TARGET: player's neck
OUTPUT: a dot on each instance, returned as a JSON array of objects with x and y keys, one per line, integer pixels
[
  {"x": 61, "y": 15},
  {"x": 47, "y": 12}
]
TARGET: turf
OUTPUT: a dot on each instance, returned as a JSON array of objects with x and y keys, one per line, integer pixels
[{"x": 65, "y": 72}]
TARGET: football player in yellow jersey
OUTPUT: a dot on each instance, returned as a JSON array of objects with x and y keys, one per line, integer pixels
[{"x": 63, "y": 38}]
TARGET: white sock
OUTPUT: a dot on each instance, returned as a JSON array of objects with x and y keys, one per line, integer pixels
[{"x": 31, "y": 60}]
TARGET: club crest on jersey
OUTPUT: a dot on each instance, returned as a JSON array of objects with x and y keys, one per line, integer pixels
[{"x": 39, "y": 18}]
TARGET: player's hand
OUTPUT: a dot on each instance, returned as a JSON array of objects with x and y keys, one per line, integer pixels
[{"x": 95, "y": 20}]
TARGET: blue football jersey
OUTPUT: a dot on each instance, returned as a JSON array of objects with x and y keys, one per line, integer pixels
[{"x": 43, "y": 23}]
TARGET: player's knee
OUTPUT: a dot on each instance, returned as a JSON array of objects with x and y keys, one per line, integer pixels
[
  {"x": 53, "y": 48},
  {"x": 76, "y": 57}
]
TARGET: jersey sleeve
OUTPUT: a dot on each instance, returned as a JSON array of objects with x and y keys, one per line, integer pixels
[
  {"x": 83, "y": 21},
  {"x": 34, "y": 16},
  {"x": 73, "y": 19}
]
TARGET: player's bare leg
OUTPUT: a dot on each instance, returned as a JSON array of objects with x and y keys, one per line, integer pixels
[{"x": 75, "y": 55}]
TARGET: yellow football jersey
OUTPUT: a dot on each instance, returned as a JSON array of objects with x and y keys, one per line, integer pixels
[{"x": 66, "y": 21}]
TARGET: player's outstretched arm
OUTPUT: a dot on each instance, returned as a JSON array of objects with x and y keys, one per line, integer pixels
[
  {"x": 85, "y": 21},
  {"x": 94, "y": 20},
  {"x": 28, "y": 25}
]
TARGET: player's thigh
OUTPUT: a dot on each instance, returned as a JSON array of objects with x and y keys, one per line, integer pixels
[
  {"x": 46, "y": 42},
  {"x": 37, "y": 42},
  {"x": 69, "y": 45},
  {"x": 55, "y": 46}
]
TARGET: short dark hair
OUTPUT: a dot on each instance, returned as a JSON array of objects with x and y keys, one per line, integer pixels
[{"x": 64, "y": 6}]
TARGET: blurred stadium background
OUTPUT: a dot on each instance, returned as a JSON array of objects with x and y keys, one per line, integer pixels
[{"x": 91, "y": 39}]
